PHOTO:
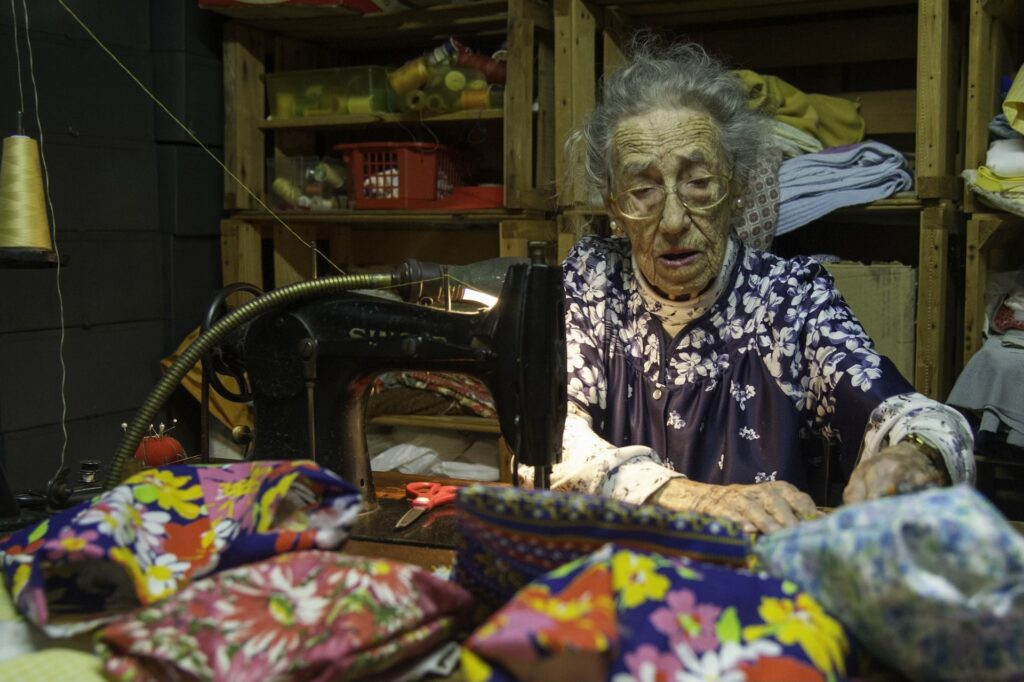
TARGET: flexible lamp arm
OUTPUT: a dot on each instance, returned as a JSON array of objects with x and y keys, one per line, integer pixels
[{"x": 214, "y": 335}]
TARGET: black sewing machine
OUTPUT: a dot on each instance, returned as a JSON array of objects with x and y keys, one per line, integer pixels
[{"x": 309, "y": 366}]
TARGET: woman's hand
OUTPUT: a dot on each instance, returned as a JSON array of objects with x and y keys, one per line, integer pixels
[
  {"x": 900, "y": 468},
  {"x": 763, "y": 507}
]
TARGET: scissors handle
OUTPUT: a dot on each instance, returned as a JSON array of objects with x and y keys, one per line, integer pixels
[{"x": 427, "y": 495}]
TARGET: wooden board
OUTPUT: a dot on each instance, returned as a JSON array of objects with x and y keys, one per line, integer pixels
[{"x": 933, "y": 373}]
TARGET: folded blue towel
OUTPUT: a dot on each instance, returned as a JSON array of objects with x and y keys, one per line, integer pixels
[{"x": 813, "y": 185}]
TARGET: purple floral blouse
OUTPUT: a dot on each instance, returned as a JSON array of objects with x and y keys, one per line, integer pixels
[{"x": 724, "y": 400}]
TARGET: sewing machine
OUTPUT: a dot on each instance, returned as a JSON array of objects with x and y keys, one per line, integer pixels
[{"x": 309, "y": 366}]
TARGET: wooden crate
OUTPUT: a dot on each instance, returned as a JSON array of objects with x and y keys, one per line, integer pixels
[
  {"x": 900, "y": 60},
  {"x": 996, "y": 47}
]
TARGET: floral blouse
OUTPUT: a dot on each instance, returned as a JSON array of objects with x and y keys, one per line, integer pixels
[{"x": 725, "y": 399}]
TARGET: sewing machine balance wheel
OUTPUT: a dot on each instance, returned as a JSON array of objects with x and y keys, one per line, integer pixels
[{"x": 215, "y": 362}]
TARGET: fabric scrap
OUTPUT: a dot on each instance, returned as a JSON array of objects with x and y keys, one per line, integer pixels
[
  {"x": 1013, "y": 104},
  {"x": 814, "y": 185},
  {"x": 507, "y": 537},
  {"x": 834, "y": 121},
  {"x": 626, "y": 615},
  {"x": 162, "y": 528},
  {"x": 310, "y": 615},
  {"x": 932, "y": 582}
]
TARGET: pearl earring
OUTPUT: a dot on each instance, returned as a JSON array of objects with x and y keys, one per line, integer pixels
[
  {"x": 739, "y": 202},
  {"x": 615, "y": 227}
]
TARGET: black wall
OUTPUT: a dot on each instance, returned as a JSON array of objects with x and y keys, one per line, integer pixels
[{"x": 136, "y": 208}]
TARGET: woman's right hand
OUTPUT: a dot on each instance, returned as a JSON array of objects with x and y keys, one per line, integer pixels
[{"x": 761, "y": 507}]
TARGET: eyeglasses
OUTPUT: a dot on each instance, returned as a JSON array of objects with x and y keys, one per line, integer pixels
[{"x": 698, "y": 195}]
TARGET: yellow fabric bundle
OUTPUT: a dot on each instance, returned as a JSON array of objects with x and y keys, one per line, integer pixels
[
  {"x": 990, "y": 182},
  {"x": 1013, "y": 105},
  {"x": 833, "y": 120}
]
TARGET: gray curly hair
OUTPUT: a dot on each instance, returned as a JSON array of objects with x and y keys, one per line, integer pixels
[{"x": 657, "y": 76}]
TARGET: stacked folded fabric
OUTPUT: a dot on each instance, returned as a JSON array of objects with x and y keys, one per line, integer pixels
[
  {"x": 813, "y": 185},
  {"x": 1000, "y": 182}
]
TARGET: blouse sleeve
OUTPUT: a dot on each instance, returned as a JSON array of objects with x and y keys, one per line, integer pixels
[
  {"x": 592, "y": 465},
  {"x": 938, "y": 424},
  {"x": 845, "y": 389}
]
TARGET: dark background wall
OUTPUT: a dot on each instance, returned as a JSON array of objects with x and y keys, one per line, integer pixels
[{"x": 136, "y": 207}]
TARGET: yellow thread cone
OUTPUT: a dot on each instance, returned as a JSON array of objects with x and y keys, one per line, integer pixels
[{"x": 23, "y": 222}]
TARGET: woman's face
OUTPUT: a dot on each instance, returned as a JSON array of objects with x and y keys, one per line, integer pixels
[{"x": 680, "y": 252}]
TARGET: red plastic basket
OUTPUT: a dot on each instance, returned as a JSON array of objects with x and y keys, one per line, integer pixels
[{"x": 409, "y": 175}]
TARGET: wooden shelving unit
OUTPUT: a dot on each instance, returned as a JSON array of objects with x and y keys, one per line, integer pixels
[
  {"x": 259, "y": 39},
  {"x": 910, "y": 55},
  {"x": 994, "y": 238}
]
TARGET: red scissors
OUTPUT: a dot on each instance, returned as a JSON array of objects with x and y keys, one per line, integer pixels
[{"x": 425, "y": 496}]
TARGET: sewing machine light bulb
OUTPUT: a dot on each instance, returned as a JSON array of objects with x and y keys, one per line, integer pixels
[{"x": 480, "y": 297}]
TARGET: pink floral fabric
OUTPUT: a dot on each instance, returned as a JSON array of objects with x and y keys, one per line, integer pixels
[{"x": 310, "y": 615}]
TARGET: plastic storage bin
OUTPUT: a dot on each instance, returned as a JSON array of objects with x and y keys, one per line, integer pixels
[
  {"x": 307, "y": 182},
  {"x": 409, "y": 175},
  {"x": 323, "y": 92}
]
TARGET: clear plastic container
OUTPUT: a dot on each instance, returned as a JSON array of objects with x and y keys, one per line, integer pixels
[
  {"x": 325, "y": 92},
  {"x": 447, "y": 88},
  {"x": 307, "y": 182}
]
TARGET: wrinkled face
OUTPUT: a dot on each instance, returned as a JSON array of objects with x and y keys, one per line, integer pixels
[{"x": 680, "y": 252}]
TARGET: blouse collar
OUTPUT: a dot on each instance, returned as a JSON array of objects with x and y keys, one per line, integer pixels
[{"x": 674, "y": 315}]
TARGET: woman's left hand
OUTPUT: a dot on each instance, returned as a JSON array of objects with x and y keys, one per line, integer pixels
[{"x": 900, "y": 468}]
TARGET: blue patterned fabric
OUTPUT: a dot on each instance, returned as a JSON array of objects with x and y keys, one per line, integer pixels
[
  {"x": 506, "y": 537},
  {"x": 932, "y": 583},
  {"x": 724, "y": 401},
  {"x": 630, "y": 616}
]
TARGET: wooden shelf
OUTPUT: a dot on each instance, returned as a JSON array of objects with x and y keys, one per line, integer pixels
[
  {"x": 446, "y": 422},
  {"x": 897, "y": 206},
  {"x": 710, "y": 11},
  {"x": 396, "y": 29},
  {"x": 379, "y": 118},
  {"x": 455, "y": 219}
]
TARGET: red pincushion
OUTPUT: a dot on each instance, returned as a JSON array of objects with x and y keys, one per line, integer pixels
[{"x": 156, "y": 451}]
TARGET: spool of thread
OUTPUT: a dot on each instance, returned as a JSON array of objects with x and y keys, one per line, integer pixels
[
  {"x": 492, "y": 69},
  {"x": 415, "y": 100},
  {"x": 360, "y": 105},
  {"x": 455, "y": 81},
  {"x": 409, "y": 76},
  {"x": 286, "y": 190},
  {"x": 436, "y": 104},
  {"x": 474, "y": 99},
  {"x": 284, "y": 105},
  {"x": 332, "y": 175},
  {"x": 23, "y": 221}
]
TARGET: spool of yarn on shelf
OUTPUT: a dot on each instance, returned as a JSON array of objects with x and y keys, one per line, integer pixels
[
  {"x": 408, "y": 77},
  {"x": 474, "y": 99},
  {"x": 415, "y": 100},
  {"x": 360, "y": 105}
]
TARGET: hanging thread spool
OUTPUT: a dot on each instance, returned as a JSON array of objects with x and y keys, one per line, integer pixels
[
  {"x": 409, "y": 76},
  {"x": 23, "y": 220}
]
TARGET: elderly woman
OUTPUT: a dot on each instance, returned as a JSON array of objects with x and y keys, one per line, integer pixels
[{"x": 694, "y": 360}]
